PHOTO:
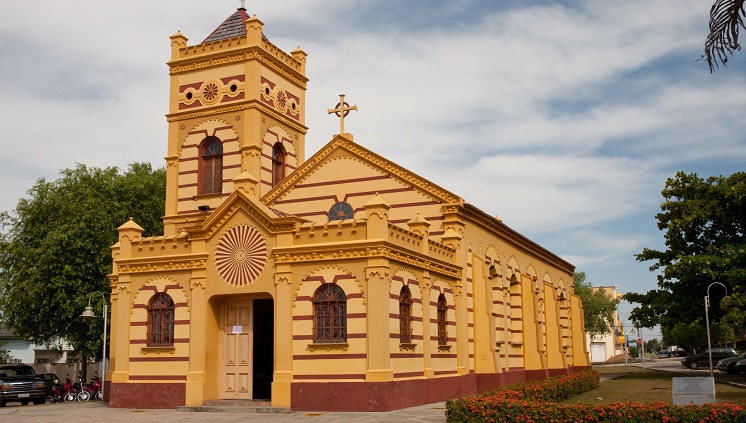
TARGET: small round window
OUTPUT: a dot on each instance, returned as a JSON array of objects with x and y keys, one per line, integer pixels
[{"x": 341, "y": 211}]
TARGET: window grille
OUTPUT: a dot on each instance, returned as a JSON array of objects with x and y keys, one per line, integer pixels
[
  {"x": 442, "y": 314},
  {"x": 405, "y": 316},
  {"x": 330, "y": 314},
  {"x": 160, "y": 320}
]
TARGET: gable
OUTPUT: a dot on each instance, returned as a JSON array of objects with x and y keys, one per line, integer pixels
[{"x": 346, "y": 172}]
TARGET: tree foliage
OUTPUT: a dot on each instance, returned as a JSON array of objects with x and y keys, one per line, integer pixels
[
  {"x": 598, "y": 306},
  {"x": 704, "y": 221},
  {"x": 726, "y": 21},
  {"x": 5, "y": 356},
  {"x": 55, "y": 249}
]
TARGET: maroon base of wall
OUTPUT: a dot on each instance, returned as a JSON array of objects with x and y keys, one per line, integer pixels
[
  {"x": 146, "y": 395},
  {"x": 341, "y": 396},
  {"x": 377, "y": 396}
]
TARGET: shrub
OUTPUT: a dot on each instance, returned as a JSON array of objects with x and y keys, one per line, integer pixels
[{"x": 537, "y": 402}]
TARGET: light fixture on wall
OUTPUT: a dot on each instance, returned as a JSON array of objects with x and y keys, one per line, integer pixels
[{"x": 203, "y": 208}]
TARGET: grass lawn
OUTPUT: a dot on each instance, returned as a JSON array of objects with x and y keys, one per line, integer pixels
[{"x": 644, "y": 385}]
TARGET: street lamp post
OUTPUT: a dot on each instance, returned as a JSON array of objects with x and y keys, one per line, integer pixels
[
  {"x": 88, "y": 315},
  {"x": 707, "y": 320}
]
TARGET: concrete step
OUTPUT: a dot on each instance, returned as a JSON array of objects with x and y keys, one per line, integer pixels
[{"x": 235, "y": 406}]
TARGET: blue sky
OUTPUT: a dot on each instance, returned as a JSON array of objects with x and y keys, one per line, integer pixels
[{"x": 562, "y": 118}]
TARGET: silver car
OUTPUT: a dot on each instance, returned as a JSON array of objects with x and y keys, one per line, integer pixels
[{"x": 729, "y": 364}]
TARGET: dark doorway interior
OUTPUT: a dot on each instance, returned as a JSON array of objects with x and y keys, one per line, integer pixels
[{"x": 264, "y": 323}]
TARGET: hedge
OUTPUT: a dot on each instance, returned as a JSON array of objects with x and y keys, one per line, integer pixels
[{"x": 538, "y": 402}]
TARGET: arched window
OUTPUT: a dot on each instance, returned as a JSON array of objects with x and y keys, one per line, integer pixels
[
  {"x": 278, "y": 163},
  {"x": 211, "y": 166},
  {"x": 329, "y": 314},
  {"x": 405, "y": 315},
  {"x": 442, "y": 314},
  {"x": 160, "y": 320},
  {"x": 341, "y": 211}
]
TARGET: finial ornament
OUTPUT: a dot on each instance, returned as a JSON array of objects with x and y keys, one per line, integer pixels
[
  {"x": 342, "y": 109},
  {"x": 243, "y": 4}
]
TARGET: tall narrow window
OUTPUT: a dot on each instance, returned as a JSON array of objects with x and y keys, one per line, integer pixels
[
  {"x": 212, "y": 166},
  {"x": 341, "y": 211},
  {"x": 405, "y": 315},
  {"x": 278, "y": 163},
  {"x": 160, "y": 321},
  {"x": 442, "y": 314},
  {"x": 329, "y": 314}
]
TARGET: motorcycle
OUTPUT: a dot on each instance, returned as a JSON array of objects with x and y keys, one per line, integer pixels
[
  {"x": 58, "y": 392},
  {"x": 74, "y": 391},
  {"x": 93, "y": 389}
]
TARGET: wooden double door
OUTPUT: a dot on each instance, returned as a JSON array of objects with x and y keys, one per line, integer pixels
[{"x": 247, "y": 349}]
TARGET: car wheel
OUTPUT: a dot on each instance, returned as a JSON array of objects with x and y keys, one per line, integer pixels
[
  {"x": 2, "y": 403},
  {"x": 24, "y": 402},
  {"x": 694, "y": 365},
  {"x": 732, "y": 369}
]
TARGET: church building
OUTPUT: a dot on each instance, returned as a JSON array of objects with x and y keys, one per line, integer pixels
[{"x": 339, "y": 282}]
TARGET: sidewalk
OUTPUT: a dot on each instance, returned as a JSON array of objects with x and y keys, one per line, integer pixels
[{"x": 101, "y": 413}]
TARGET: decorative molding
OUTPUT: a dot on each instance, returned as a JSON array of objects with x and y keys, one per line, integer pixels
[
  {"x": 407, "y": 346},
  {"x": 192, "y": 64},
  {"x": 329, "y": 346},
  {"x": 157, "y": 350}
]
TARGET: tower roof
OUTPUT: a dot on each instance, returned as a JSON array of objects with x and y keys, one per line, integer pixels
[{"x": 232, "y": 27}]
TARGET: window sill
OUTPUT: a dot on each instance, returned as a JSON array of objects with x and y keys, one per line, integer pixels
[
  {"x": 405, "y": 346},
  {"x": 157, "y": 350},
  {"x": 329, "y": 346}
]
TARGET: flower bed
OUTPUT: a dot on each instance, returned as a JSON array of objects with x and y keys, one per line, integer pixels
[{"x": 538, "y": 402}]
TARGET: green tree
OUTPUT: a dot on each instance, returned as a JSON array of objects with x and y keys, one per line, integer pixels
[
  {"x": 689, "y": 335},
  {"x": 55, "y": 249},
  {"x": 598, "y": 306},
  {"x": 5, "y": 356},
  {"x": 726, "y": 21},
  {"x": 704, "y": 222}
]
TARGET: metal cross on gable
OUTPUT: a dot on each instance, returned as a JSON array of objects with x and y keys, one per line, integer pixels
[{"x": 342, "y": 109}]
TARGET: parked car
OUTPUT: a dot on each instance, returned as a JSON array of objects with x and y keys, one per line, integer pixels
[
  {"x": 729, "y": 364},
  {"x": 19, "y": 383},
  {"x": 694, "y": 362},
  {"x": 741, "y": 366},
  {"x": 664, "y": 354},
  {"x": 50, "y": 379}
]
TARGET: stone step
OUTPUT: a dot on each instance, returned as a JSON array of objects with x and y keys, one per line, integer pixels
[{"x": 235, "y": 406}]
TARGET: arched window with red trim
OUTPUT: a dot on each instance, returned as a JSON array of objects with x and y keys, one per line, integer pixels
[
  {"x": 405, "y": 315},
  {"x": 278, "y": 163},
  {"x": 160, "y": 320},
  {"x": 329, "y": 314},
  {"x": 442, "y": 320},
  {"x": 211, "y": 166}
]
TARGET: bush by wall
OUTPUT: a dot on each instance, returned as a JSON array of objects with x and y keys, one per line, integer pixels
[{"x": 537, "y": 402}]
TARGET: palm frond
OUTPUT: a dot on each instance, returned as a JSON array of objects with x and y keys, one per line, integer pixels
[{"x": 726, "y": 20}]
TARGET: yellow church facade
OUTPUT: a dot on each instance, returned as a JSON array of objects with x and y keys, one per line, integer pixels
[{"x": 338, "y": 282}]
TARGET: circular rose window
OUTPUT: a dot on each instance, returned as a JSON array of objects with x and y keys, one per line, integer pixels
[{"x": 241, "y": 255}]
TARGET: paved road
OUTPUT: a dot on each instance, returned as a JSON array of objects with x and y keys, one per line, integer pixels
[{"x": 95, "y": 411}]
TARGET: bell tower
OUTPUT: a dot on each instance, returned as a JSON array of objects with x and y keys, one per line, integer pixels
[{"x": 236, "y": 118}]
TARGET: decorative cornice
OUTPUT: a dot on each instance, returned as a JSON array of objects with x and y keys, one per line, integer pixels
[
  {"x": 363, "y": 250},
  {"x": 250, "y": 104},
  {"x": 159, "y": 264},
  {"x": 245, "y": 54}
]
